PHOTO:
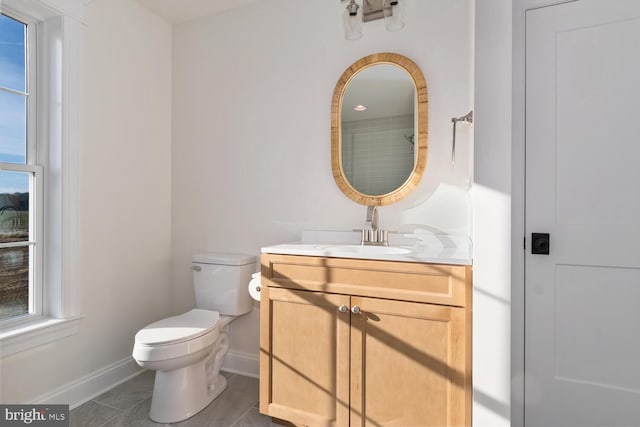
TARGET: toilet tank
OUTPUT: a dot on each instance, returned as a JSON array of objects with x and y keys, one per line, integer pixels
[{"x": 221, "y": 282}]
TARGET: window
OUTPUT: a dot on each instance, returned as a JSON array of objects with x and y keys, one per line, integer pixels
[
  {"x": 39, "y": 137},
  {"x": 20, "y": 175}
]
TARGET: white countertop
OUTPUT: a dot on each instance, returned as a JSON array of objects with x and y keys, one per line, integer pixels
[{"x": 420, "y": 247}]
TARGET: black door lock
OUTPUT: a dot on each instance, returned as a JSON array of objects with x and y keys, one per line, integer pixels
[{"x": 540, "y": 243}]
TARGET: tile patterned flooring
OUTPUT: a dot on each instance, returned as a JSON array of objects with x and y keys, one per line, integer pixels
[{"x": 127, "y": 405}]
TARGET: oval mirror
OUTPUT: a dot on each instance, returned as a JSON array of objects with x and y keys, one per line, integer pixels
[{"x": 379, "y": 129}]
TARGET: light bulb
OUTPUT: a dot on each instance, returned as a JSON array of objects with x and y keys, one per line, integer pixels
[
  {"x": 393, "y": 14},
  {"x": 352, "y": 19}
]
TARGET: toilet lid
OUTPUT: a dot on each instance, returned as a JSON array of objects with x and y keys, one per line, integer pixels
[{"x": 178, "y": 328}]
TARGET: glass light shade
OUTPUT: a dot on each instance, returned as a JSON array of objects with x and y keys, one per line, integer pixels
[
  {"x": 393, "y": 14},
  {"x": 352, "y": 19}
]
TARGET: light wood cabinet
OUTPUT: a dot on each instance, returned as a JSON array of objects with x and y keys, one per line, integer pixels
[{"x": 348, "y": 342}]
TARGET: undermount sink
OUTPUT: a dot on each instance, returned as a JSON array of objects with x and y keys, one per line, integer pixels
[{"x": 367, "y": 250}]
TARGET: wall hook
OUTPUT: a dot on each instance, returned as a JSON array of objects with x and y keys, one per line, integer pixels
[{"x": 468, "y": 118}]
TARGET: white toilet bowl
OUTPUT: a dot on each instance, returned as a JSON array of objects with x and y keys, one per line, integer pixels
[{"x": 186, "y": 351}]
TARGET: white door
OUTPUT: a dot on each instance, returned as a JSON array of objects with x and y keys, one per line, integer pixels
[{"x": 582, "y": 320}]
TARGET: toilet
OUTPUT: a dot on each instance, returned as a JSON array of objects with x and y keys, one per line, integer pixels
[{"x": 186, "y": 351}]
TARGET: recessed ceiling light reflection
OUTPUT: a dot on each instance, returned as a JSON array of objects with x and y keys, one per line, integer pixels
[{"x": 359, "y": 108}]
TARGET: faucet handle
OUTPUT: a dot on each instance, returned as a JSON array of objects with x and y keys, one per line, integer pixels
[
  {"x": 384, "y": 235},
  {"x": 365, "y": 235}
]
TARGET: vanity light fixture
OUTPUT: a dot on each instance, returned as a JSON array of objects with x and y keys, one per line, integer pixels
[
  {"x": 355, "y": 14},
  {"x": 360, "y": 108}
]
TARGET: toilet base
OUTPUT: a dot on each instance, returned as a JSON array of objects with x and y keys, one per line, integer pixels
[{"x": 181, "y": 394}]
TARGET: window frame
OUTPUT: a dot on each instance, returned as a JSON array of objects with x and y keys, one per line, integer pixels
[
  {"x": 33, "y": 166},
  {"x": 35, "y": 244},
  {"x": 57, "y": 26}
]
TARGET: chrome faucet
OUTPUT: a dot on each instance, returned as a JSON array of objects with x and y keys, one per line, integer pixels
[
  {"x": 372, "y": 219},
  {"x": 372, "y": 235}
]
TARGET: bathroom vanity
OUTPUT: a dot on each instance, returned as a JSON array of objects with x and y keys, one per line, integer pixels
[
  {"x": 364, "y": 342},
  {"x": 364, "y": 331}
]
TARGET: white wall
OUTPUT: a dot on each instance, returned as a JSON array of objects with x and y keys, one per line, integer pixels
[
  {"x": 125, "y": 200},
  {"x": 492, "y": 299},
  {"x": 251, "y": 132},
  {"x": 248, "y": 160}
]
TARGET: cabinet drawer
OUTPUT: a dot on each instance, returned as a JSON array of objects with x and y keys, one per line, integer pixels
[{"x": 405, "y": 281}]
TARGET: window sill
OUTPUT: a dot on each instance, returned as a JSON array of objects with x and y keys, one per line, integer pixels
[{"x": 25, "y": 336}]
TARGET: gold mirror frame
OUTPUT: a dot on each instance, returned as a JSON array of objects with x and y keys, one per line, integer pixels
[{"x": 422, "y": 123}]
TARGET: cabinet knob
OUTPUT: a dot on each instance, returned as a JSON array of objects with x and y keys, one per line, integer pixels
[
  {"x": 343, "y": 309},
  {"x": 355, "y": 309}
]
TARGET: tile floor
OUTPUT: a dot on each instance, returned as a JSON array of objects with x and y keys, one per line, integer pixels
[{"x": 127, "y": 405}]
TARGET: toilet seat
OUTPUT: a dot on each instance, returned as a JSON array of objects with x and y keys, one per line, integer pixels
[
  {"x": 177, "y": 336},
  {"x": 174, "y": 329}
]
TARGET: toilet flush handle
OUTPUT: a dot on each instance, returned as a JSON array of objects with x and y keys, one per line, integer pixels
[{"x": 196, "y": 268}]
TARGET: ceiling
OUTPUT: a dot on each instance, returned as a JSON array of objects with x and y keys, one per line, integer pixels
[{"x": 178, "y": 11}]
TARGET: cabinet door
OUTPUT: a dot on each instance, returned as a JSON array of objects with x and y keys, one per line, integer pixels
[
  {"x": 304, "y": 357},
  {"x": 408, "y": 365}
]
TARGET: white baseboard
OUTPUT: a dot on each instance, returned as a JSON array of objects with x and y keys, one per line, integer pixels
[
  {"x": 86, "y": 388},
  {"x": 90, "y": 386},
  {"x": 246, "y": 364}
]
